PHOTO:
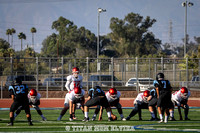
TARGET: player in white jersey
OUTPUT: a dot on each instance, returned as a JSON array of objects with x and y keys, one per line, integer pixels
[
  {"x": 74, "y": 80},
  {"x": 72, "y": 97},
  {"x": 34, "y": 101},
  {"x": 113, "y": 97},
  {"x": 141, "y": 102},
  {"x": 180, "y": 99}
]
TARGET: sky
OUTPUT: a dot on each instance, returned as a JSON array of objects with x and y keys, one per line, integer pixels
[{"x": 22, "y": 15}]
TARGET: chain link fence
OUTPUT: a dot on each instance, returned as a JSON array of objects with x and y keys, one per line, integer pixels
[{"x": 50, "y": 73}]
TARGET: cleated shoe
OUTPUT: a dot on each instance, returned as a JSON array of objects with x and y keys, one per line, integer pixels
[
  {"x": 86, "y": 119},
  {"x": 30, "y": 123},
  {"x": 70, "y": 119},
  {"x": 44, "y": 119},
  {"x": 93, "y": 118},
  {"x": 161, "y": 121},
  {"x": 123, "y": 119},
  {"x": 172, "y": 119},
  {"x": 110, "y": 119},
  {"x": 187, "y": 119},
  {"x": 10, "y": 124},
  {"x": 128, "y": 118}
]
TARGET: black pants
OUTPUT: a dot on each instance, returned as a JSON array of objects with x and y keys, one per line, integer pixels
[
  {"x": 138, "y": 109},
  {"x": 97, "y": 101},
  {"x": 23, "y": 101}
]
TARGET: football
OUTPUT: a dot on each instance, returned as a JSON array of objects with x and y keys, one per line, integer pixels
[{"x": 114, "y": 117}]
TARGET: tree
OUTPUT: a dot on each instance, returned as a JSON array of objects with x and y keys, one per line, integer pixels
[
  {"x": 21, "y": 36},
  {"x": 13, "y": 31},
  {"x": 8, "y": 32},
  {"x": 131, "y": 37},
  {"x": 4, "y": 45},
  {"x": 33, "y": 30}
]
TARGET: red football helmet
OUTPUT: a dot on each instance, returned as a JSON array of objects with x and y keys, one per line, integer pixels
[
  {"x": 77, "y": 90},
  {"x": 113, "y": 91},
  {"x": 146, "y": 93},
  {"x": 75, "y": 70},
  {"x": 184, "y": 92},
  {"x": 33, "y": 92}
]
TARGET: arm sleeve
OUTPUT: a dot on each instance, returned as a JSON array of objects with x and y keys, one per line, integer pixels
[{"x": 67, "y": 85}]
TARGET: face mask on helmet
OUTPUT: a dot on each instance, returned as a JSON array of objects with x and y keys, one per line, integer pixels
[
  {"x": 113, "y": 92},
  {"x": 184, "y": 92}
]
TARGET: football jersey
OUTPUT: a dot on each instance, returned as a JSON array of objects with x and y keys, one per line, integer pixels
[
  {"x": 176, "y": 97},
  {"x": 34, "y": 99},
  {"x": 73, "y": 82},
  {"x": 163, "y": 85},
  {"x": 140, "y": 99},
  {"x": 96, "y": 92},
  {"x": 73, "y": 96},
  {"x": 111, "y": 99},
  {"x": 18, "y": 90}
]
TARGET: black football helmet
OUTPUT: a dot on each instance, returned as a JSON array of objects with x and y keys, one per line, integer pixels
[
  {"x": 159, "y": 76},
  {"x": 18, "y": 81}
]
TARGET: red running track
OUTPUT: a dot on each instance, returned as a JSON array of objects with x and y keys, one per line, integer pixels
[{"x": 57, "y": 103}]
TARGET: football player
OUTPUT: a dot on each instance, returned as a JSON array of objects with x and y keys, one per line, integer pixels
[
  {"x": 18, "y": 93},
  {"x": 113, "y": 97},
  {"x": 74, "y": 80},
  {"x": 34, "y": 101},
  {"x": 73, "y": 97},
  {"x": 97, "y": 97},
  {"x": 141, "y": 102},
  {"x": 164, "y": 91},
  {"x": 180, "y": 99}
]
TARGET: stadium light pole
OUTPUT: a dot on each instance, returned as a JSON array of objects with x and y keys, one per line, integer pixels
[
  {"x": 100, "y": 10},
  {"x": 185, "y": 4}
]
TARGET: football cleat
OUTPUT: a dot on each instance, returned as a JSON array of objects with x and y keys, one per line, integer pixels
[
  {"x": 70, "y": 119},
  {"x": 152, "y": 119},
  {"x": 140, "y": 119},
  {"x": 44, "y": 119},
  {"x": 30, "y": 123},
  {"x": 10, "y": 124},
  {"x": 161, "y": 121},
  {"x": 59, "y": 118},
  {"x": 93, "y": 118},
  {"x": 172, "y": 119},
  {"x": 128, "y": 118},
  {"x": 110, "y": 119},
  {"x": 187, "y": 119},
  {"x": 86, "y": 119}
]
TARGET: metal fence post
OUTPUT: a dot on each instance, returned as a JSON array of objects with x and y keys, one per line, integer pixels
[
  {"x": 162, "y": 64},
  {"x": 87, "y": 72},
  {"x": 187, "y": 76},
  {"x": 37, "y": 73},
  {"x": 112, "y": 69},
  {"x": 136, "y": 70},
  {"x": 47, "y": 89},
  {"x": 199, "y": 68},
  {"x": 62, "y": 63},
  {"x": 11, "y": 61}
]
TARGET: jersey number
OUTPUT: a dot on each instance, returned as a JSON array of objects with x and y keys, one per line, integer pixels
[{"x": 20, "y": 89}]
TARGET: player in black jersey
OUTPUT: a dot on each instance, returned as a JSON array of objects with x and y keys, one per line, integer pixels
[
  {"x": 163, "y": 90},
  {"x": 18, "y": 93},
  {"x": 97, "y": 97}
]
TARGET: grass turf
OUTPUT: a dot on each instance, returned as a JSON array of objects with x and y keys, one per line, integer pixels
[{"x": 63, "y": 126}]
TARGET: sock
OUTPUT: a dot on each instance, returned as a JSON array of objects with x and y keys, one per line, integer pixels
[
  {"x": 152, "y": 114},
  {"x": 15, "y": 115},
  {"x": 86, "y": 114},
  {"x": 109, "y": 114},
  {"x": 121, "y": 115},
  {"x": 166, "y": 118},
  {"x": 11, "y": 119},
  {"x": 161, "y": 117},
  {"x": 42, "y": 116},
  {"x": 60, "y": 117},
  {"x": 171, "y": 113}
]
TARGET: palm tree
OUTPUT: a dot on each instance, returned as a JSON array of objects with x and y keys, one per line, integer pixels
[
  {"x": 33, "y": 30},
  {"x": 21, "y": 36},
  {"x": 13, "y": 31},
  {"x": 8, "y": 32}
]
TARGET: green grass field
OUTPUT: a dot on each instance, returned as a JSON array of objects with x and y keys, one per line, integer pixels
[{"x": 63, "y": 126}]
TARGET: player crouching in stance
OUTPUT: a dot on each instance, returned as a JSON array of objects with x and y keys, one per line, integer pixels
[
  {"x": 141, "y": 102},
  {"x": 73, "y": 97},
  {"x": 19, "y": 92},
  {"x": 34, "y": 101},
  {"x": 180, "y": 99},
  {"x": 98, "y": 98},
  {"x": 113, "y": 97}
]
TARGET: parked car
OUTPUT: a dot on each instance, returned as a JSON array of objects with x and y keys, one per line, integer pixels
[
  {"x": 102, "y": 80},
  {"x": 30, "y": 80},
  {"x": 193, "y": 84},
  {"x": 54, "y": 81},
  {"x": 143, "y": 83}
]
